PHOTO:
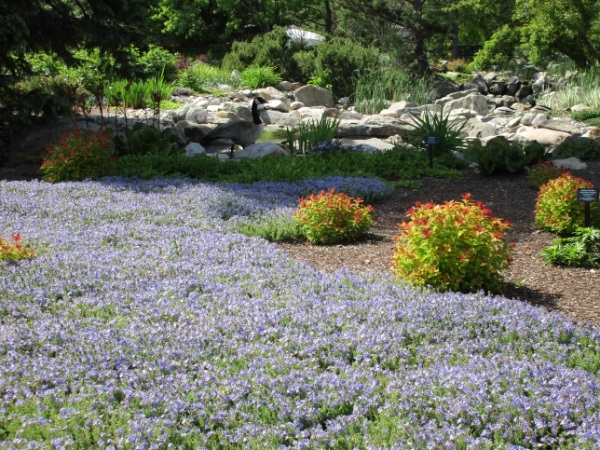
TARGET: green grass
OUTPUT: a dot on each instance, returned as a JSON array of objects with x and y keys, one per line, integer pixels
[
  {"x": 376, "y": 88},
  {"x": 399, "y": 166},
  {"x": 583, "y": 88}
]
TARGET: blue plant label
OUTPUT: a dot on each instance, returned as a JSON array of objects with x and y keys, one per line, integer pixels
[
  {"x": 588, "y": 195},
  {"x": 431, "y": 140}
]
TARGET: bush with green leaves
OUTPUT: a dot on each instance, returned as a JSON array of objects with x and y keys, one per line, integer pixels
[
  {"x": 580, "y": 250},
  {"x": 585, "y": 114},
  {"x": 578, "y": 147},
  {"x": 201, "y": 77},
  {"x": 78, "y": 156},
  {"x": 309, "y": 136},
  {"x": 333, "y": 218},
  {"x": 157, "y": 61},
  {"x": 260, "y": 76},
  {"x": 499, "y": 155},
  {"x": 340, "y": 61},
  {"x": 142, "y": 139},
  {"x": 557, "y": 209},
  {"x": 543, "y": 172},
  {"x": 455, "y": 246},
  {"x": 438, "y": 125},
  {"x": 15, "y": 250},
  {"x": 266, "y": 50}
]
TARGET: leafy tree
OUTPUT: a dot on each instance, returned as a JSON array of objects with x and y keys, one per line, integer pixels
[
  {"x": 61, "y": 26},
  {"x": 417, "y": 20},
  {"x": 211, "y": 26}
]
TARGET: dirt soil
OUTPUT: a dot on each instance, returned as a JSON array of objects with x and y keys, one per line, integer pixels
[{"x": 574, "y": 292}]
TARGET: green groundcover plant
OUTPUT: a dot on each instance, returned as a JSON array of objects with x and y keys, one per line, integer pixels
[
  {"x": 78, "y": 156},
  {"x": 456, "y": 246},
  {"x": 557, "y": 209},
  {"x": 15, "y": 250},
  {"x": 332, "y": 218},
  {"x": 580, "y": 250}
]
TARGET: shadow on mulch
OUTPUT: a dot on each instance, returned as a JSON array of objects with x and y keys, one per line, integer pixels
[{"x": 537, "y": 298}]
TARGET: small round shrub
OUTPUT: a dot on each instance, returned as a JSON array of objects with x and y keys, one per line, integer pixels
[
  {"x": 333, "y": 218},
  {"x": 578, "y": 147},
  {"x": 260, "y": 77},
  {"x": 557, "y": 208},
  {"x": 543, "y": 172},
  {"x": 15, "y": 250},
  {"x": 455, "y": 246},
  {"x": 78, "y": 156}
]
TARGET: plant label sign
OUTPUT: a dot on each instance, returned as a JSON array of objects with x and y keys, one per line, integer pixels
[
  {"x": 588, "y": 195},
  {"x": 431, "y": 141}
]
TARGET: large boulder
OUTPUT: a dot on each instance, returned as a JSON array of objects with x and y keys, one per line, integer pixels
[
  {"x": 372, "y": 126},
  {"x": 542, "y": 135},
  {"x": 474, "y": 102},
  {"x": 314, "y": 96}
]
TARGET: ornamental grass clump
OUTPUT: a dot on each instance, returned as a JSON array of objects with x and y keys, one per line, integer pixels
[
  {"x": 78, "y": 156},
  {"x": 15, "y": 250},
  {"x": 456, "y": 246},
  {"x": 332, "y": 218},
  {"x": 557, "y": 209}
]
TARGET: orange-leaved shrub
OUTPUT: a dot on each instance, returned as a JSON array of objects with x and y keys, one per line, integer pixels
[
  {"x": 557, "y": 209},
  {"x": 332, "y": 218},
  {"x": 456, "y": 246},
  {"x": 15, "y": 250},
  {"x": 78, "y": 156}
]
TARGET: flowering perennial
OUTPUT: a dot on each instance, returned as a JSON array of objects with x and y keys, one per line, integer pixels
[{"x": 146, "y": 323}]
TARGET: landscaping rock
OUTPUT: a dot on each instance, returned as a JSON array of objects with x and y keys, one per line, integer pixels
[
  {"x": 261, "y": 150},
  {"x": 193, "y": 149},
  {"x": 314, "y": 96}
]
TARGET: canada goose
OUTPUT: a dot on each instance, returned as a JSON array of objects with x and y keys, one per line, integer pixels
[{"x": 240, "y": 132}]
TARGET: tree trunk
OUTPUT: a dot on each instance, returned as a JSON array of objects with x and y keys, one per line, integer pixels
[{"x": 328, "y": 18}]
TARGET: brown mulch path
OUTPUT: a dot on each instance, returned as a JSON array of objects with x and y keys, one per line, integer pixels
[{"x": 574, "y": 292}]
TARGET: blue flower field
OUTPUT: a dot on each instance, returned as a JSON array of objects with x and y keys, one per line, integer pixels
[{"x": 146, "y": 321}]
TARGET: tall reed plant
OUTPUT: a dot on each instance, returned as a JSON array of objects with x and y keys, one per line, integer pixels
[
  {"x": 309, "y": 135},
  {"x": 377, "y": 87},
  {"x": 583, "y": 88}
]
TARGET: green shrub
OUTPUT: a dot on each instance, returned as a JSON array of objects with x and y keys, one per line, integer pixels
[
  {"x": 543, "y": 172},
  {"x": 15, "y": 250},
  {"x": 501, "y": 155},
  {"x": 142, "y": 139},
  {"x": 201, "y": 77},
  {"x": 579, "y": 147},
  {"x": 340, "y": 61},
  {"x": 157, "y": 61},
  {"x": 580, "y": 250},
  {"x": 456, "y": 246},
  {"x": 585, "y": 114},
  {"x": 260, "y": 76},
  {"x": 270, "y": 49},
  {"x": 333, "y": 218},
  {"x": 557, "y": 208},
  {"x": 440, "y": 126},
  {"x": 78, "y": 156}
]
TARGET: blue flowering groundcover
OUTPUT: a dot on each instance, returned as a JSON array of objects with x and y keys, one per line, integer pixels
[{"x": 145, "y": 321}]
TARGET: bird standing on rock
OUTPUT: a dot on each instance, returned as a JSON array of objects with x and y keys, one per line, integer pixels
[{"x": 239, "y": 132}]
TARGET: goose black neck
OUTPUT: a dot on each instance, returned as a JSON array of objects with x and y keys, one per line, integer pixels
[{"x": 255, "y": 114}]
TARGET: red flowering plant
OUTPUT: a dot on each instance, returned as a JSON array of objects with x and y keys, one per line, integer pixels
[
  {"x": 78, "y": 156},
  {"x": 456, "y": 246},
  {"x": 331, "y": 218},
  {"x": 15, "y": 250},
  {"x": 557, "y": 208}
]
